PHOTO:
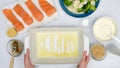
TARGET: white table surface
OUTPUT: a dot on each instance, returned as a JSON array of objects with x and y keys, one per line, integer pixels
[{"x": 106, "y": 8}]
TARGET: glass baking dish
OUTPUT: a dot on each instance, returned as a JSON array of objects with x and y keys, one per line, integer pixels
[{"x": 56, "y": 45}]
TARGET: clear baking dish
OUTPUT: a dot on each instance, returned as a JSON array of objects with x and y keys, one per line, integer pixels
[{"x": 56, "y": 45}]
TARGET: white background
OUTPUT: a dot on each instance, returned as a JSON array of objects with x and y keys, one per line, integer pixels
[{"x": 106, "y": 8}]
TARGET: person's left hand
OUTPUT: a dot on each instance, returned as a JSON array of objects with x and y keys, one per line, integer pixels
[{"x": 27, "y": 61}]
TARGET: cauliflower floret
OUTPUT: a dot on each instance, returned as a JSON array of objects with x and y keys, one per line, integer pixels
[
  {"x": 81, "y": 5},
  {"x": 85, "y": 2},
  {"x": 76, "y": 3},
  {"x": 71, "y": 8}
]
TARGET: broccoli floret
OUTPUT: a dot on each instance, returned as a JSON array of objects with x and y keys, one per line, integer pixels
[
  {"x": 79, "y": 10},
  {"x": 68, "y": 2},
  {"x": 93, "y": 8},
  {"x": 87, "y": 7},
  {"x": 81, "y": 0}
]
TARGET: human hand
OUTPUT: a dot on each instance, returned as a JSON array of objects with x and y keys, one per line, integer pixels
[
  {"x": 27, "y": 61},
  {"x": 84, "y": 61}
]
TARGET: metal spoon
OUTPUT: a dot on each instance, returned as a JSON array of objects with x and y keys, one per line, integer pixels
[
  {"x": 116, "y": 39},
  {"x": 113, "y": 49}
]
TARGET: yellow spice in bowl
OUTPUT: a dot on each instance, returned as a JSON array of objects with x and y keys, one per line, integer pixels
[
  {"x": 11, "y": 32},
  {"x": 98, "y": 52}
]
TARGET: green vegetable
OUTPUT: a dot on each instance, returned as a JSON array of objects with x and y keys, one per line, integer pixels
[
  {"x": 87, "y": 7},
  {"x": 89, "y": 0},
  {"x": 81, "y": 0},
  {"x": 93, "y": 8},
  {"x": 79, "y": 10},
  {"x": 68, "y": 2},
  {"x": 95, "y": 0}
]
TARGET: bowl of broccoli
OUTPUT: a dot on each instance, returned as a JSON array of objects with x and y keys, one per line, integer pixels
[{"x": 79, "y": 8}]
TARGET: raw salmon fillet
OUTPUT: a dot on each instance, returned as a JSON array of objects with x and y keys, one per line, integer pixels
[
  {"x": 11, "y": 17},
  {"x": 23, "y": 14},
  {"x": 37, "y": 14},
  {"x": 47, "y": 7}
]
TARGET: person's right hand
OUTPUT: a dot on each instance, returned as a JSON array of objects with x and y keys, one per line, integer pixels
[
  {"x": 84, "y": 61},
  {"x": 27, "y": 61}
]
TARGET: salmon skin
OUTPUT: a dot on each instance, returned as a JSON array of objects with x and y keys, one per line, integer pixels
[
  {"x": 47, "y": 7},
  {"x": 23, "y": 14},
  {"x": 11, "y": 17},
  {"x": 37, "y": 14}
]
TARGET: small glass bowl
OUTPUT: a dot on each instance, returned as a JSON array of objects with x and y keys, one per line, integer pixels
[
  {"x": 96, "y": 58},
  {"x": 10, "y": 47}
]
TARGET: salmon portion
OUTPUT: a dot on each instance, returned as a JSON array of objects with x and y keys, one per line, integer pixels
[
  {"x": 11, "y": 17},
  {"x": 23, "y": 14},
  {"x": 47, "y": 7},
  {"x": 37, "y": 14}
]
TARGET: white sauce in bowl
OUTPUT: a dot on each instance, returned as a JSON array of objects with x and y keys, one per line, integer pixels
[{"x": 104, "y": 28}]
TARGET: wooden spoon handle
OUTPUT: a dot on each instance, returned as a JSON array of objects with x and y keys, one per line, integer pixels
[{"x": 12, "y": 60}]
